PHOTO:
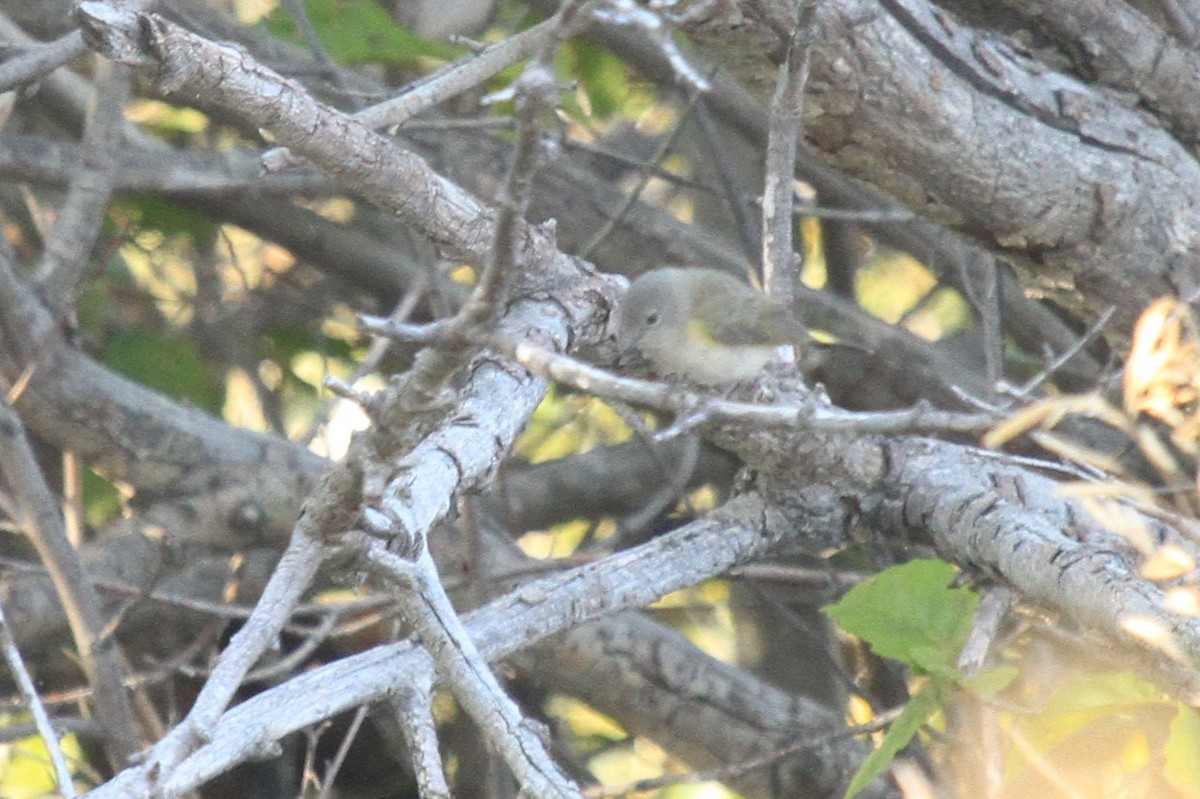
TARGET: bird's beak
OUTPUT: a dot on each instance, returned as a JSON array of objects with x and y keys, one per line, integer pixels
[{"x": 629, "y": 355}]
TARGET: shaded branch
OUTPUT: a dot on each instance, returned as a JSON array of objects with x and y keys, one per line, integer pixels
[{"x": 98, "y": 653}]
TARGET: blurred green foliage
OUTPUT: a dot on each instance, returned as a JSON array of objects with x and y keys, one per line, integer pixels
[
  {"x": 600, "y": 74},
  {"x": 911, "y": 613},
  {"x": 101, "y": 500},
  {"x": 165, "y": 361},
  {"x": 361, "y": 31},
  {"x": 1105, "y": 734},
  {"x": 566, "y": 423},
  {"x": 148, "y": 212},
  {"x": 25, "y": 771}
]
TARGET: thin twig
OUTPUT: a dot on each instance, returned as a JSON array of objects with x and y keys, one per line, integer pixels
[
  {"x": 726, "y": 773},
  {"x": 414, "y": 711},
  {"x": 665, "y": 397},
  {"x": 749, "y": 233},
  {"x": 458, "y": 661},
  {"x": 854, "y": 215},
  {"x": 293, "y": 659},
  {"x": 979, "y": 275},
  {"x": 308, "y": 32},
  {"x": 343, "y": 749},
  {"x": 674, "y": 486},
  {"x": 1035, "y": 382},
  {"x": 221, "y": 610},
  {"x": 75, "y": 231},
  {"x": 40, "y": 59},
  {"x": 16, "y": 665},
  {"x": 657, "y": 27},
  {"x": 442, "y": 85},
  {"x": 697, "y": 409},
  {"x": 543, "y": 607},
  {"x": 40, "y": 520},
  {"x": 379, "y": 347},
  {"x": 537, "y": 95},
  {"x": 993, "y": 609},
  {"x": 290, "y": 579},
  {"x": 664, "y": 147},
  {"x": 780, "y": 269}
]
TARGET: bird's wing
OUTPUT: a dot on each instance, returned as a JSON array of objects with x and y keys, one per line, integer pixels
[{"x": 770, "y": 323}]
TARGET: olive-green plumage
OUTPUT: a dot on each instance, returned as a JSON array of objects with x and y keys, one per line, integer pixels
[{"x": 704, "y": 324}]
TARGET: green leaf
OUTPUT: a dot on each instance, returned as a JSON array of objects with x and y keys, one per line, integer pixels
[
  {"x": 1182, "y": 768},
  {"x": 360, "y": 31},
  {"x": 922, "y": 705},
  {"x": 911, "y": 614}
]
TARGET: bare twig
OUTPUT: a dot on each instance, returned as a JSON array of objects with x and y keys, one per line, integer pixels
[
  {"x": 293, "y": 659},
  {"x": 747, "y": 227},
  {"x": 16, "y": 665},
  {"x": 725, "y": 773},
  {"x": 780, "y": 270},
  {"x": 997, "y": 602},
  {"x": 420, "y": 486},
  {"x": 739, "y": 531},
  {"x": 423, "y": 594},
  {"x": 289, "y": 580},
  {"x": 698, "y": 409},
  {"x": 460, "y": 663},
  {"x": 897, "y": 215},
  {"x": 980, "y": 278},
  {"x": 675, "y": 481},
  {"x": 646, "y": 173},
  {"x": 664, "y": 397},
  {"x": 626, "y": 13},
  {"x": 39, "y": 519},
  {"x": 379, "y": 347},
  {"x": 12, "y": 733},
  {"x": 343, "y": 749},
  {"x": 227, "y": 76},
  {"x": 69, "y": 246},
  {"x": 537, "y": 94},
  {"x": 442, "y": 85},
  {"x": 308, "y": 31},
  {"x": 414, "y": 710},
  {"x": 40, "y": 59},
  {"x": 1026, "y": 390}
]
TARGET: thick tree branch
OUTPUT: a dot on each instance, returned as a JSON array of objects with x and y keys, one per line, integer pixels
[
  {"x": 1047, "y": 170},
  {"x": 740, "y": 531}
]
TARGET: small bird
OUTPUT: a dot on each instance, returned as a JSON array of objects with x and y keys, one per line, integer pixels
[{"x": 704, "y": 324}]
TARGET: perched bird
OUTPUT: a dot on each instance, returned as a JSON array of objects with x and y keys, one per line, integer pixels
[{"x": 704, "y": 324}]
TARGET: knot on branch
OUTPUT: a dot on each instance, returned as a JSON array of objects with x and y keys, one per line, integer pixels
[
  {"x": 249, "y": 519},
  {"x": 400, "y": 539},
  {"x": 536, "y": 90},
  {"x": 120, "y": 35}
]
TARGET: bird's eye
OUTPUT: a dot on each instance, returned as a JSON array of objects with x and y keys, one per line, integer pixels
[{"x": 652, "y": 318}]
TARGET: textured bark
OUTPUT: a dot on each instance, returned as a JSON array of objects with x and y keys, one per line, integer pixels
[{"x": 1091, "y": 201}]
